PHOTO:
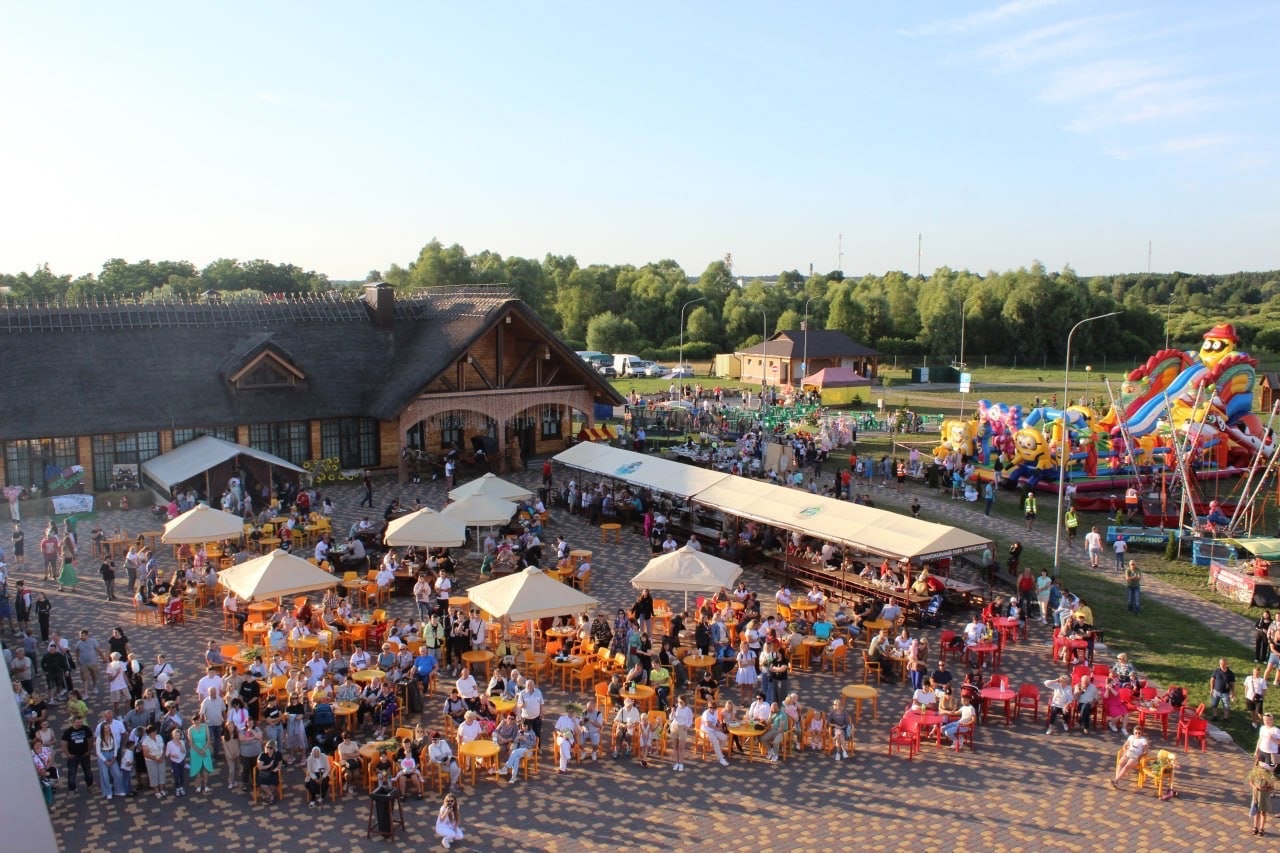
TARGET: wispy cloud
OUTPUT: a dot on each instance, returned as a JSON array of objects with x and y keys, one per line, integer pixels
[
  {"x": 1141, "y": 82},
  {"x": 980, "y": 18},
  {"x": 1194, "y": 143}
]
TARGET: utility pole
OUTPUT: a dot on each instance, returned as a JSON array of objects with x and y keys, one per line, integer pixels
[
  {"x": 919, "y": 252},
  {"x": 1148, "y": 257},
  {"x": 840, "y": 253}
]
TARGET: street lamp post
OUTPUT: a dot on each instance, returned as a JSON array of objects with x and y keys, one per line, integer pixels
[
  {"x": 680, "y": 366},
  {"x": 764, "y": 353},
  {"x": 963, "y": 305},
  {"x": 804, "y": 365},
  {"x": 1064, "y": 449},
  {"x": 1088, "y": 371}
]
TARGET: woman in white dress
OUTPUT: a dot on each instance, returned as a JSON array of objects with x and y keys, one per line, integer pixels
[
  {"x": 448, "y": 825},
  {"x": 746, "y": 677}
]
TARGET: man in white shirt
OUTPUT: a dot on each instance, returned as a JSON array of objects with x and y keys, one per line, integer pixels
[
  {"x": 529, "y": 703},
  {"x": 479, "y": 631},
  {"x": 322, "y": 549},
  {"x": 467, "y": 688},
  {"x": 316, "y": 668},
  {"x": 385, "y": 577},
  {"x": 890, "y": 612},
  {"x": 783, "y": 596},
  {"x": 1093, "y": 547},
  {"x": 117, "y": 683},
  {"x": 211, "y": 681},
  {"x": 714, "y": 734},
  {"x": 1268, "y": 741},
  {"x": 1255, "y": 694},
  {"x": 669, "y": 544},
  {"x": 694, "y": 544},
  {"x": 759, "y": 710},
  {"x": 360, "y": 659},
  {"x": 625, "y": 723},
  {"x": 1060, "y": 701}
]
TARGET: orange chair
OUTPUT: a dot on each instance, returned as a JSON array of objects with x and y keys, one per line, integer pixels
[
  {"x": 582, "y": 675},
  {"x": 944, "y": 643},
  {"x": 869, "y": 666},
  {"x": 837, "y": 659}
]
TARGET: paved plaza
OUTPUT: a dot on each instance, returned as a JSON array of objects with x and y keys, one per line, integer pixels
[{"x": 1021, "y": 789}]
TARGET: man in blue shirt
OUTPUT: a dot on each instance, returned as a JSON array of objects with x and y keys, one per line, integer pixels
[{"x": 424, "y": 666}]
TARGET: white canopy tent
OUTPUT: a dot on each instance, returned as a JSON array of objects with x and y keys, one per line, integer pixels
[
  {"x": 492, "y": 487},
  {"x": 641, "y": 469},
  {"x": 199, "y": 456},
  {"x": 874, "y": 531},
  {"x": 530, "y": 594},
  {"x": 275, "y": 575},
  {"x": 687, "y": 570},
  {"x": 203, "y": 524},
  {"x": 426, "y": 528}
]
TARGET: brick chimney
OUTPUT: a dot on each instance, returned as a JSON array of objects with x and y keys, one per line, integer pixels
[{"x": 381, "y": 298}]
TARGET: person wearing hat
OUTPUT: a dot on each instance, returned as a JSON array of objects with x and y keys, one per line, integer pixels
[
  {"x": 625, "y": 723},
  {"x": 441, "y": 755}
]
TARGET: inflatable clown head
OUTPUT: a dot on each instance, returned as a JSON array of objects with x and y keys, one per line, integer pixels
[{"x": 1219, "y": 342}]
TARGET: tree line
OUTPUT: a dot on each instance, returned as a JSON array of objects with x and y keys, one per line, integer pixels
[{"x": 1021, "y": 314}]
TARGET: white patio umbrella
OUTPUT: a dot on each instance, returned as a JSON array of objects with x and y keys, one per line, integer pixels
[
  {"x": 480, "y": 511},
  {"x": 688, "y": 570},
  {"x": 426, "y": 528},
  {"x": 275, "y": 575},
  {"x": 528, "y": 595},
  {"x": 492, "y": 487},
  {"x": 203, "y": 524}
]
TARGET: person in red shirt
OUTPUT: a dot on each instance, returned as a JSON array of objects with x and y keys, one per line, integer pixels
[{"x": 49, "y": 549}]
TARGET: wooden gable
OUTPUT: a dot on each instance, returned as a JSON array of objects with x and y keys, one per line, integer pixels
[{"x": 268, "y": 369}]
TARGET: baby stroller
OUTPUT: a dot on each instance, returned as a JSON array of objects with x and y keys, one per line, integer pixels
[{"x": 931, "y": 616}]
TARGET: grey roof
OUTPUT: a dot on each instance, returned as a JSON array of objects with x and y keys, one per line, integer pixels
[
  {"x": 104, "y": 368},
  {"x": 823, "y": 343}
]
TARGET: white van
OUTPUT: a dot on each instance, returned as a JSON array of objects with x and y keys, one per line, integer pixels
[{"x": 628, "y": 365}]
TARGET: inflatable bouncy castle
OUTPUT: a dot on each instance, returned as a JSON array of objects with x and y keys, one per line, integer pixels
[{"x": 1194, "y": 406}]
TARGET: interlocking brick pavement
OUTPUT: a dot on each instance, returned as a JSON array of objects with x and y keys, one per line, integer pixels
[{"x": 1021, "y": 790}]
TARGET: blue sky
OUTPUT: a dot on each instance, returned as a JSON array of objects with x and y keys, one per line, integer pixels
[{"x": 342, "y": 137}]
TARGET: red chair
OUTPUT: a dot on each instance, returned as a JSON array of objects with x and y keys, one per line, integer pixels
[
  {"x": 1149, "y": 694},
  {"x": 944, "y": 644},
  {"x": 900, "y": 737},
  {"x": 1101, "y": 669},
  {"x": 1193, "y": 727},
  {"x": 966, "y": 734},
  {"x": 1001, "y": 681},
  {"x": 1028, "y": 697},
  {"x": 1080, "y": 671}
]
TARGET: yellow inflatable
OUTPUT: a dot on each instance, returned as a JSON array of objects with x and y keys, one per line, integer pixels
[{"x": 959, "y": 435}]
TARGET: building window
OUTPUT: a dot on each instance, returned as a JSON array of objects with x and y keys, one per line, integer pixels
[
  {"x": 290, "y": 440},
  {"x": 550, "y": 422},
  {"x": 182, "y": 436},
  {"x": 33, "y": 461},
  {"x": 118, "y": 458},
  {"x": 354, "y": 441},
  {"x": 451, "y": 431}
]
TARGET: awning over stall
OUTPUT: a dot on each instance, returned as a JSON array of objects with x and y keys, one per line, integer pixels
[
  {"x": 641, "y": 469},
  {"x": 199, "y": 455},
  {"x": 874, "y": 531}
]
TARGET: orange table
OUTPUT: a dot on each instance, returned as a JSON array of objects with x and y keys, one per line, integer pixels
[
  {"x": 256, "y": 631},
  {"x": 478, "y": 656},
  {"x": 813, "y": 647},
  {"x": 346, "y": 711},
  {"x": 565, "y": 666},
  {"x": 611, "y": 527},
  {"x": 643, "y": 696},
  {"x": 858, "y": 693},
  {"x": 478, "y": 753},
  {"x": 303, "y": 647},
  {"x": 751, "y": 737},
  {"x": 804, "y": 605},
  {"x": 501, "y": 704},
  {"x": 694, "y": 663},
  {"x": 262, "y": 609},
  {"x": 366, "y": 676}
]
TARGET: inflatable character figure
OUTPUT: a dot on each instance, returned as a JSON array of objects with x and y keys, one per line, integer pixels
[
  {"x": 958, "y": 435},
  {"x": 1031, "y": 459}
]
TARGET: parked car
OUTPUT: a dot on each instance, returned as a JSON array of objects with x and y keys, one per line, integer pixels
[
  {"x": 607, "y": 370},
  {"x": 681, "y": 371},
  {"x": 653, "y": 369}
]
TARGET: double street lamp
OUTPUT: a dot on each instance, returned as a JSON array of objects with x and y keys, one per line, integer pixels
[
  {"x": 1064, "y": 448},
  {"x": 680, "y": 366}
]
